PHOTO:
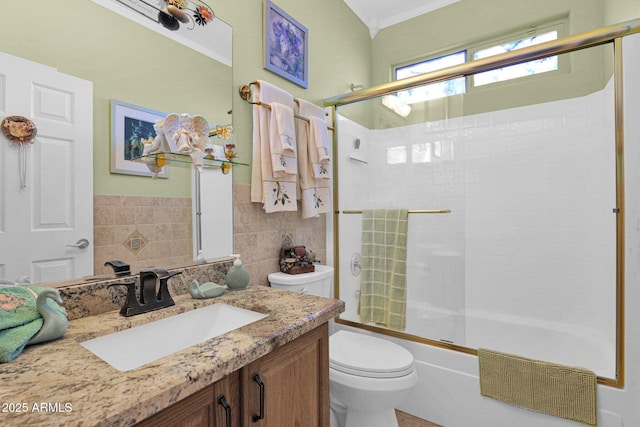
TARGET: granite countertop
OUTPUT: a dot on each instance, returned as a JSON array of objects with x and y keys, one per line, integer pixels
[{"x": 62, "y": 383}]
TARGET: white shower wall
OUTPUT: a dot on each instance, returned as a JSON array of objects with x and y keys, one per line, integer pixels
[
  {"x": 501, "y": 174},
  {"x": 448, "y": 392},
  {"x": 540, "y": 238}
]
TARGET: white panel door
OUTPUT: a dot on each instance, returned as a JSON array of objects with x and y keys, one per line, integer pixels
[{"x": 55, "y": 209}]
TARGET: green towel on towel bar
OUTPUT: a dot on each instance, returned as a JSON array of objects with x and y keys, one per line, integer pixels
[
  {"x": 383, "y": 280},
  {"x": 20, "y": 319}
]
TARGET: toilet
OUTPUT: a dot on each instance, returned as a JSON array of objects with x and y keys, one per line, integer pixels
[{"x": 368, "y": 376}]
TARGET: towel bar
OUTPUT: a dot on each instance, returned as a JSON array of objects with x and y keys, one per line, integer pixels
[
  {"x": 413, "y": 211},
  {"x": 245, "y": 93}
]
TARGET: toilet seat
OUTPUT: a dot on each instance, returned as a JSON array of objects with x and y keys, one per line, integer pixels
[{"x": 367, "y": 356}]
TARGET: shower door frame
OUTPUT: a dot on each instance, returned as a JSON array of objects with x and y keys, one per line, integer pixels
[{"x": 605, "y": 35}]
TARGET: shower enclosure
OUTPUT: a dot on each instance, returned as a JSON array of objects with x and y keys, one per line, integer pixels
[{"x": 515, "y": 192}]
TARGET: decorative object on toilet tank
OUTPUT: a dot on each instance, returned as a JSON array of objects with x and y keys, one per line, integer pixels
[
  {"x": 238, "y": 276},
  {"x": 296, "y": 260}
]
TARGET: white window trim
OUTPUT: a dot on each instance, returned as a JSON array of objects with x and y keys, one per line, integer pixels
[{"x": 558, "y": 24}]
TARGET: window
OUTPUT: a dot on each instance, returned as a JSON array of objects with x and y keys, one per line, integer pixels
[
  {"x": 507, "y": 43},
  {"x": 434, "y": 90},
  {"x": 519, "y": 70}
]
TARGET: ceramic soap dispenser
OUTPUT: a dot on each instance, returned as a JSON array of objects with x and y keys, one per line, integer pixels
[{"x": 238, "y": 276}]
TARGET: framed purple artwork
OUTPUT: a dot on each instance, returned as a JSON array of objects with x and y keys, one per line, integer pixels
[{"x": 285, "y": 45}]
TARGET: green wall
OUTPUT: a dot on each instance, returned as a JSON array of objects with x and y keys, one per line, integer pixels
[
  {"x": 339, "y": 54},
  {"x": 128, "y": 62},
  {"x": 616, "y": 11},
  {"x": 468, "y": 22}
]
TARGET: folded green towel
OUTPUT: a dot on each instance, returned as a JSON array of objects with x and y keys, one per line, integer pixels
[{"x": 20, "y": 319}]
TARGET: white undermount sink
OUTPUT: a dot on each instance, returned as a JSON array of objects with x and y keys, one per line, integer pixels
[{"x": 132, "y": 348}]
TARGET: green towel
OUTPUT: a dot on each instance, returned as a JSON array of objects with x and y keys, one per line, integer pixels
[
  {"x": 20, "y": 319},
  {"x": 563, "y": 391},
  {"x": 383, "y": 280}
]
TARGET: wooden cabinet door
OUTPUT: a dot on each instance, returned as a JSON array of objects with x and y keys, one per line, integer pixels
[
  {"x": 295, "y": 382},
  {"x": 226, "y": 393},
  {"x": 194, "y": 411}
]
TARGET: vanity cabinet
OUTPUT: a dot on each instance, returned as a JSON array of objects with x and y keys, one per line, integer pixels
[
  {"x": 227, "y": 401},
  {"x": 288, "y": 387},
  {"x": 196, "y": 410},
  {"x": 295, "y": 384}
]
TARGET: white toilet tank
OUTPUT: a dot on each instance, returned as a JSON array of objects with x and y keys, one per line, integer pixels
[{"x": 318, "y": 282}]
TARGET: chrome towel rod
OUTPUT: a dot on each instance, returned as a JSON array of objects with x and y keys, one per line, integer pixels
[
  {"x": 245, "y": 93},
  {"x": 412, "y": 211}
]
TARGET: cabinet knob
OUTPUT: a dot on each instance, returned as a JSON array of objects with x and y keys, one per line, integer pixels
[{"x": 258, "y": 417}]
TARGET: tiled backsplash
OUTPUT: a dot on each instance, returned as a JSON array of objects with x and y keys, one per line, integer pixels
[
  {"x": 258, "y": 236},
  {"x": 157, "y": 231},
  {"x": 142, "y": 231}
]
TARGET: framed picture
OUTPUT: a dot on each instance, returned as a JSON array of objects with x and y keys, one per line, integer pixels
[
  {"x": 130, "y": 126},
  {"x": 286, "y": 45}
]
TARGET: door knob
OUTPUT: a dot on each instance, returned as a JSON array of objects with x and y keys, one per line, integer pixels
[{"x": 80, "y": 244}]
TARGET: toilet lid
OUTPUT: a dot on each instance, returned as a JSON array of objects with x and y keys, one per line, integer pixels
[{"x": 367, "y": 356}]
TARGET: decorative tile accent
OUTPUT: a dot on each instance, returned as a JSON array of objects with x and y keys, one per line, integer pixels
[
  {"x": 135, "y": 242},
  {"x": 142, "y": 231}
]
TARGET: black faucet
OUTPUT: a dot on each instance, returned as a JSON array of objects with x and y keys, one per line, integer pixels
[
  {"x": 120, "y": 268},
  {"x": 152, "y": 296}
]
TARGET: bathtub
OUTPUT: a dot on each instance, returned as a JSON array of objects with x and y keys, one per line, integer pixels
[
  {"x": 536, "y": 339},
  {"x": 532, "y": 338},
  {"x": 448, "y": 379}
]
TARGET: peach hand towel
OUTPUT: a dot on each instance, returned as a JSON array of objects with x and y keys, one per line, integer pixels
[
  {"x": 276, "y": 193},
  {"x": 282, "y": 141},
  {"x": 314, "y": 194}
]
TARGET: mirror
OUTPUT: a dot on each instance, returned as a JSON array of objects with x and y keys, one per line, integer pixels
[{"x": 128, "y": 62}]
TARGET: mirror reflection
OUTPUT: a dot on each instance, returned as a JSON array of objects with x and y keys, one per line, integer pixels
[{"x": 91, "y": 57}]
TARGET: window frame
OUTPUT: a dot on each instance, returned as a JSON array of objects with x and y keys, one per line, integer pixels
[{"x": 557, "y": 24}]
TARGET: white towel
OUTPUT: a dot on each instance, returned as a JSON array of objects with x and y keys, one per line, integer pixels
[
  {"x": 319, "y": 147},
  {"x": 320, "y": 138},
  {"x": 282, "y": 141},
  {"x": 276, "y": 193},
  {"x": 314, "y": 194}
]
